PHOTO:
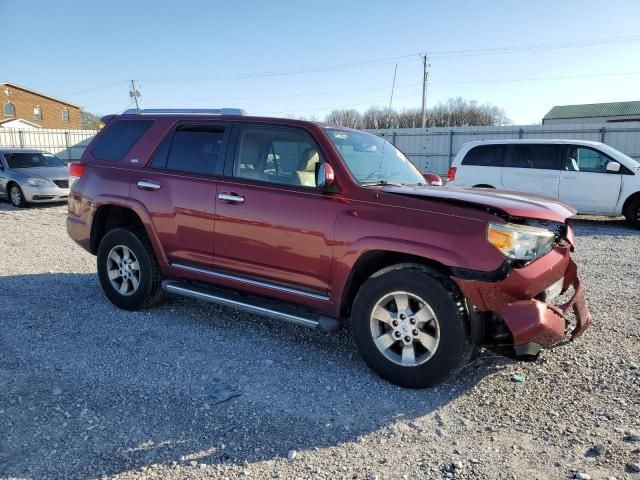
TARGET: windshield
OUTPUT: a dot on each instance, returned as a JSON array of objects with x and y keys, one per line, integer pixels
[
  {"x": 633, "y": 163},
  {"x": 373, "y": 160},
  {"x": 30, "y": 160}
]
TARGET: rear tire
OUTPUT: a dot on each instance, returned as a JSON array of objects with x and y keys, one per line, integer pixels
[
  {"x": 632, "y": 213},
  {"x": 128, "y": 270},
  {"x": 410, "y": 294},
  {"x": 16, "y": 196}
]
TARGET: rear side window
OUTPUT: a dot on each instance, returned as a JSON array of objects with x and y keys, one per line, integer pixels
[
  {"x": 544, "y": 157},
  {"x": 485, "y": 156},
  {"x": 196, "y": 149},
  {"x": 118, "y": 138}
]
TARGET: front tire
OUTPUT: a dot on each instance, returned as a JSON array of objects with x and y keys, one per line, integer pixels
[
  {"x": 128, "y": 270},
  {"x": 16, "y": 196},
  {"x": 411, "y": 327},
  {"x": 632, "y": 213}
]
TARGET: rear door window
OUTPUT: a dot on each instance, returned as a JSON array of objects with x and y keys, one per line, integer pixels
[
  {"x": 197, "y": 149},
  {"x": 118, "y": 138},
  {"x": 485, "y": 156},
  {"x": 538, "y": 156}
]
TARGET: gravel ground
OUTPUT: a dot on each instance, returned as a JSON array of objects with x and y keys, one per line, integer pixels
[{"x": 89, "y": 391}]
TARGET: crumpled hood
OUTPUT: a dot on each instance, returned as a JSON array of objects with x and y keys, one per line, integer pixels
[
  {"x": 515, "y": 204},
  {"x": 49, "y": 173}
]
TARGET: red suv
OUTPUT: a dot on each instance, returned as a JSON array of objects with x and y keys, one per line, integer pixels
[{"x": 317, "y": 225}]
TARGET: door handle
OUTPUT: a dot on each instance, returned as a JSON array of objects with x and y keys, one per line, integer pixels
[
  {"x": 228, "y": 197},
  {"x": 570, "y": 177},
  {"x": 148, "y": 185}
]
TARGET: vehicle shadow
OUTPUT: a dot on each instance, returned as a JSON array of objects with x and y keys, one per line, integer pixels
[
  {"x": 116, "y": 391},
  {"x": 5, "y": 205}
]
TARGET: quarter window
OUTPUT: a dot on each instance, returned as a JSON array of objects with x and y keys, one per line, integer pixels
[
  {"x": 485, "y": 156},
  {"x": 117, "y": 138},
  {"x": 196, "y": 149},
  {"x": 583, "y": 159},
  {"x": 9, "y": 110},
  {"x": 278, "y": 155}
]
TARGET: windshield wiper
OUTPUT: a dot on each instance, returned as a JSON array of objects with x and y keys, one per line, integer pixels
[{"x": 382, "y": 183}]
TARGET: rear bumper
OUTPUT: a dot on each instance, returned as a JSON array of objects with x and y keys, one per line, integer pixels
[{"x": 517, "y": 299}]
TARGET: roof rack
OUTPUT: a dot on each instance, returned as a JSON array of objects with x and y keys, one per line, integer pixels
[{"x": 185, "y": 111}]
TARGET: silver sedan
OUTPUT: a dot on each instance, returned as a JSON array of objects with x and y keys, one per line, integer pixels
[{"x": 32, "y": 176}]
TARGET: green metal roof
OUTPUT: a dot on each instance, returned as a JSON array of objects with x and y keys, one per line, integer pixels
[{"x": 614, "y": 109}]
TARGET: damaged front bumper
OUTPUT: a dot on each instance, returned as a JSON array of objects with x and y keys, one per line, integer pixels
[{"x": 521, "y": 300}]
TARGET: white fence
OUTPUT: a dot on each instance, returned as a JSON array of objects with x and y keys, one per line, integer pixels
[
  {"x": 433, "y": 149},
  {"x": 66, "y": 144}
]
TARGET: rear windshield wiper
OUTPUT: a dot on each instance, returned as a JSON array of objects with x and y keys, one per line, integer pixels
[{"x": 382, "y": 183}]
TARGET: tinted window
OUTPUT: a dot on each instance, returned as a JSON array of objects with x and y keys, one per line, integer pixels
[
  {"x": 583, "y": 159},
  {"x": 159, "y": 159},
  {"x": 118, "y": 138},
  {"x": 196, "y": 149},
  {"x": 541, "y": 156},
  {"x": 485, "y": 155},
  {"x": 278, "y": 155}
]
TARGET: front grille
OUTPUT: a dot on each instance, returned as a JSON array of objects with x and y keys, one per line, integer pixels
[{"x": 62, "y": 183}]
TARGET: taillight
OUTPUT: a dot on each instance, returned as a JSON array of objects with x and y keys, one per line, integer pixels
[
  {"x": 76, "y": 169},
  {"x": 451, "y": 174}
]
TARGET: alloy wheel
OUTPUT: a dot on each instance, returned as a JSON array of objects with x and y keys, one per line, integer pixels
[
  {"x": 405, "y": 329},
  {"x": 123, "y": 270},
  {"x": 16, "y": 195}
]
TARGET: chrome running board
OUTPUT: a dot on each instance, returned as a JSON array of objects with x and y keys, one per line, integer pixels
[{"x": 265, "y": 308}]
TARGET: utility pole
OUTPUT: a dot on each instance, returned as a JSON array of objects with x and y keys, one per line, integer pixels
[
  {"x": 134, "y": 93},
  {"x": 425, "y": 80}
]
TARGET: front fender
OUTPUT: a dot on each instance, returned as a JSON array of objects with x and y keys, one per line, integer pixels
[{"x": 345, "y": 264}]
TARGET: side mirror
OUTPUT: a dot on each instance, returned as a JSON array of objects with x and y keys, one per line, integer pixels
[
  {"x": 432, "y": 179},
  {"x": 325, "y": 177},
  {"x": 613, "y": 167}
]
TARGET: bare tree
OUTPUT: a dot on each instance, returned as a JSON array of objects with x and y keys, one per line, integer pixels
[
  {"x": 350, "y": 118},
  {"x": 455, "y": 112},
  {"x": 380, "y": 117}
]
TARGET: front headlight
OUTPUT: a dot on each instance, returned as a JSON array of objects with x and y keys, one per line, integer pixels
[
  {"x": 37, "y": 181},
  {"x": 520, "y": 242}
]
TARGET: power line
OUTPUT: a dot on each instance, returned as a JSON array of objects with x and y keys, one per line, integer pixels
[
  {"x": 381, "y": 61},
  {"x": 409, "y": 57},
  {"x": 402, "y": 86},
  {"x": 463, "y": 82}
]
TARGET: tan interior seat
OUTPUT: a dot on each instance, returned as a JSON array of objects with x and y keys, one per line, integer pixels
[
  {"x": 249, "y": 159},
  {"x": 307, "y": 167}
]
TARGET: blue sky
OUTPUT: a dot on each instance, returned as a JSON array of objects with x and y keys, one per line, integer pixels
[{"x": 216, "y": 53}]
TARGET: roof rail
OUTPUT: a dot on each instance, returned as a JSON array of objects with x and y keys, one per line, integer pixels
[{"x": 185, "y": 111}]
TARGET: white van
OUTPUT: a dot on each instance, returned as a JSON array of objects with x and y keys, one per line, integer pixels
[{"x": 590, "y": 176}]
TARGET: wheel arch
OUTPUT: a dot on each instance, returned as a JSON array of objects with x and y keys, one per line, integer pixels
[
  {"x": 109, "y": 216},
  {"x": 373, "y": 261},
  {"x": 629, "y": 199}
]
